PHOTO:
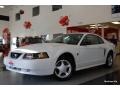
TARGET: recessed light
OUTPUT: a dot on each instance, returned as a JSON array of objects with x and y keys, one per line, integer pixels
[
  {"x": 116, "y": 22},
  {"x": 92, "y": 25},
  {"x": 95, "y": 25},
  {"x": 104, "y": 27},
  {"x": 2, "y": 6}
]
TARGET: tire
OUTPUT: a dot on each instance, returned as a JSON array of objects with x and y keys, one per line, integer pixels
[
  {"x": 109, "y": 61},
  {"x": 63, "y": 69}
]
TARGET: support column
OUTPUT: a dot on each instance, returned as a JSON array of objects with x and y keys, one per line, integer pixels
[
  {"x": 119, "y": 34},
  {"x": 102, "y": 31},
  {"x": 118, "y": 43}
]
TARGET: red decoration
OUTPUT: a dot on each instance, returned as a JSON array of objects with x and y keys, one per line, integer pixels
[
  {"x": 27, "y": 24},
  {"x": 6, "y": 37},
  {"x": 21, "y": 11},
  {"x": 6, "y": 30},
  {"x": 64, "y": 21},
  {"x": 6, "y": 34}
]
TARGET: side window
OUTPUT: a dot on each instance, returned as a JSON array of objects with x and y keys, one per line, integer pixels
[
  {"x": 72, "y": 39},
  {"x": 85, "y": 41},
  {"x": 90, "y": 40},
  {"x": 100, "y": 40}
]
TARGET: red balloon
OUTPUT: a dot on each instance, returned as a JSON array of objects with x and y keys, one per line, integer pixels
[{"x": 21, "y": 11}]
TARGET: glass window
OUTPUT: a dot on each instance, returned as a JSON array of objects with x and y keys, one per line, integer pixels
[
  {"x": 100, "y": 40},
  {"x": 56, "y": 7},
  {"x": 3, "y": 17},
  {"x": 115, "y": 9},
  {"x": 92, "y": 40},
  {"x": 17, "y": 16},
  {"x": 36, "y": 11},
  {"x": 67, "y": 39}
]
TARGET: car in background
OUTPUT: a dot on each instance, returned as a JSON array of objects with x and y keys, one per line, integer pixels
[{"x": 62, "y": 56}]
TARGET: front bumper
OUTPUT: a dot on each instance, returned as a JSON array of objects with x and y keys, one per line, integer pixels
[{"x": 31, "y": 67}]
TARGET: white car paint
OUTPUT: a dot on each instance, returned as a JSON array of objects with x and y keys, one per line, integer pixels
[{"x": 85, "y": 56}]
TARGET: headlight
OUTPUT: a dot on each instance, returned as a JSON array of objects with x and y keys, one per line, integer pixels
[{"x": 41, "y": 55}]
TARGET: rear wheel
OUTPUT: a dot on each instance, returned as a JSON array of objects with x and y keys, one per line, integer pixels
[
  {"x": 109, "y": 61},
  {"x": 63, "y": 69}
]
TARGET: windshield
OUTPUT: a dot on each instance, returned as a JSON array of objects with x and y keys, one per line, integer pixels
[{"x": 67, "y": 39}]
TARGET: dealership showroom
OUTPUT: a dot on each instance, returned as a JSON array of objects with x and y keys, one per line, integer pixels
[{"x": 59, "y": 44}]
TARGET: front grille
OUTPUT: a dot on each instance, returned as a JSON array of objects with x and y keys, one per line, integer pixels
[
  {"x": 15, "y": 68},
  {"x": 15, "y": 55},
  {"x": 19, "y": 69}
]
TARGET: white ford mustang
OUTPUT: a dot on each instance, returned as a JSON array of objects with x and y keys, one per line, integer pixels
[{"x": 62, "y": 56}]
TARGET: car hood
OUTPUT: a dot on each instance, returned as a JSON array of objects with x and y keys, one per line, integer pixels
[{"x": 41, "y": 47}]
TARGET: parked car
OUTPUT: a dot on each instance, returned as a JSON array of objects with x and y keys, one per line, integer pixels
[{"x": 62, "y": 56}]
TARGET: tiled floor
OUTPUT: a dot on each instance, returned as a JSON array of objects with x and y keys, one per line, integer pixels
[
  {"x": 112, "y": 78},
  {"x": 108, "y": 79},
  {"x": 97, "y": 75}
]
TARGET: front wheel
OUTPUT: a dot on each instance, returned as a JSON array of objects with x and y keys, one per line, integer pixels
[{"x": 63, "y": 69}]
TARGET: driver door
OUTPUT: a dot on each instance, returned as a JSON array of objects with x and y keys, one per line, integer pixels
[{"x": 90, "y": 51}]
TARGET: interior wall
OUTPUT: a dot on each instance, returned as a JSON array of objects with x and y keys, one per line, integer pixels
[
  {"x": 89, "y": 14},
  {"x": 3, "y": 24},
  {"x": 47, "y": 21}
]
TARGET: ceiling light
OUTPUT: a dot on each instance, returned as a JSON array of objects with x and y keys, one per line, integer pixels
[
  {"x": 116, "y": 22},
  {"x": 2, "y": 6},
  {"x": 104, "y": 27},
  {"x": 92, "y": 25},
  {"x": 95, "y": 25},
  {"x": 99, "y": 25}
]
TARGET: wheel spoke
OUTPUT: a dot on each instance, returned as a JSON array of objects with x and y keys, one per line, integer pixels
[
  {"x": 66, "y": 73},
  {"x": 68, "y": 66},
  {"x": 58, "y": 67},
  {"x": 60, "y": 73},
  {"x": 62, "y": 64}
]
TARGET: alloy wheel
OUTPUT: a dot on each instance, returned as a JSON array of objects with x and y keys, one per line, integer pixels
[{"x": 63, "y": 68}]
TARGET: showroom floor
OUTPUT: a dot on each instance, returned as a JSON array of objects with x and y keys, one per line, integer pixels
[{"x": 93, "y": 76}]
